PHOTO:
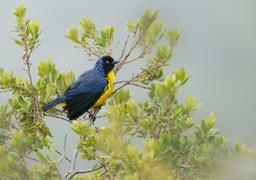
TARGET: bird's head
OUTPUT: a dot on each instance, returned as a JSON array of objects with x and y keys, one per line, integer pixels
[{"x": 107, "y": 63}]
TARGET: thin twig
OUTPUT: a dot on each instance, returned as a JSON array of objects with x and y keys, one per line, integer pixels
[
  {"x": 104, "y": 166},
  {"x": 122, "y": 61},
  {"x": 138, "y": 57},
  {"x": 56, "y": 116},
  {"x": 21, "y": 87},
  {"x": 36, "y": 107},
  {"x": 128, "y": 81},
  {"x": 125, "y": 45},
  {"x": 73, "y": 161},
  {"x": 133, "y": 84},
  {"x": 66, "y": 157},
  {"x": 65, "y": 141},
  {"x": 33, "y": 159},
  {"x": 73, "y": 164},
  {"x": 90, "y": 50},
  {"x": 85, "y": 171}
]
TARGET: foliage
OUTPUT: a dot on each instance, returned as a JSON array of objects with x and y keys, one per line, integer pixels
[{"x": 169, "y": 144}]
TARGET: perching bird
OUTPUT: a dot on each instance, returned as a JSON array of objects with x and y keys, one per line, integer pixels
[{"x": 90, "y": 90}]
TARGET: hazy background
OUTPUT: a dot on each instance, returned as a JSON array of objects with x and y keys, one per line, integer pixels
[{"x": 217, "y": 45}]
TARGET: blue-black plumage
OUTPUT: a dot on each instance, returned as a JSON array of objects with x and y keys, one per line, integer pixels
[{"x": 91, "y": 89}]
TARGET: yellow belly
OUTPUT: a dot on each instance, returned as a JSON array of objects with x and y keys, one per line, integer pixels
[{"x": 108, "y": 90}]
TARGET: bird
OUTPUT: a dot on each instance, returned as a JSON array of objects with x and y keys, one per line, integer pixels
[{"x": 90, "y": 90}]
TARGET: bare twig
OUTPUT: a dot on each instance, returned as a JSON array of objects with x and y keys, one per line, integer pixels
[
  {"x": 69, "y": 175},
  {"x": 125, "y": 45},
  {"x": 26, "y": 57},
  {"x": 59, "y": 117},
  {"x": 133, "y": 84},
  {"x": 139, "y": 85},
  {"x": 65, "y": 141},
  {"x": 142, "y": 54},
  {"x": 73, "y": 161},
  {"x": 91, "y": 50},
  {"x": 66, "y": 157},
  {"x": 124, "y": 59},
  {"x": 128, "y": 81},
  {"x": 33, "y": 159},
  {"x": 85, "y": 171}
]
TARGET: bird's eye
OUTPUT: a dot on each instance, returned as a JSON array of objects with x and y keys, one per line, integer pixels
[{"x": 107, "y": 62}]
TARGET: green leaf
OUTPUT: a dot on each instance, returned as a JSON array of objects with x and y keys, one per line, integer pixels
[
  {"x": 42, "y": 156},
  {"x": 33, "y": 29},
  {"x": 89, "y": 28},
  {"x": 18, "y": 42},
  {"x": 19, "y": 13},
  {"x": 72, "y": 34},
  {"x": 172, "y": 36},
  {"x": 190, "y": 103},
  {"x": 61, "y": 158},
  {"x": 211, "y": 121},
  {"x": 120, "y": 97},
  {"x": 130, "y": 27}
]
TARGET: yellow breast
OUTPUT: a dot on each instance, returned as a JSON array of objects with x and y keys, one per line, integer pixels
[{"x": 108, "y": 90}]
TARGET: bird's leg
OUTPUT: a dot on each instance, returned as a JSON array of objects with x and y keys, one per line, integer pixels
[{"x": 92, "y": 116}]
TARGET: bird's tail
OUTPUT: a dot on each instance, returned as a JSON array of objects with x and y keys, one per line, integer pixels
[{"x": 53, "y": 103}]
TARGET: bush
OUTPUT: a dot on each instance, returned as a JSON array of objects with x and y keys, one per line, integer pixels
[{"x": 173, "y": 147}]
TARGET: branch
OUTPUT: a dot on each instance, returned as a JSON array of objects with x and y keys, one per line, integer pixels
[
  {"x": 125, "y": 45},
  {"x": 26, "y": 58},
  {"x": 124, "y": 59},
  {"x": 33, "y": 159},
  {"x": 73, "y": 161},
  {"x": 56, "y": 116},
  {"x": 21, "y": 87},
  {"x": 65, "y": 141},
  {"x": 138, "y": 57},
  {"x": 66, "y": 157},
  {"x": 85, "y": 171},
  {"x": 90, "y": 50},
  {"x": 128, "y": 82}
]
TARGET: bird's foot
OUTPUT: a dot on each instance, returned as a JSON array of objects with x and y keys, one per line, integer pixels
[{"x": 91, "y": 117}]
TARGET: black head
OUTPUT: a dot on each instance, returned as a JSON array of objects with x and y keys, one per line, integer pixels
[{"x": 108, "y": 63}]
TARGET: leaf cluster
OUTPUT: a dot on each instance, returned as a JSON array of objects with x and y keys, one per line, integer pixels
[
  {"x": 172, "y": 145},
  {"x": 22, "y": 126},
  {"x": 27, "y": 31},
  {"x": 95, "y": 42}
]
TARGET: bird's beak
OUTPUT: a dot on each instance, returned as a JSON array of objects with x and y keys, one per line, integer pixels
[{"x": 115, "y": 62}]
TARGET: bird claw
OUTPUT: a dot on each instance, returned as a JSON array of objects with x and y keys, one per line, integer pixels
[{"x": 91, "y": 117}]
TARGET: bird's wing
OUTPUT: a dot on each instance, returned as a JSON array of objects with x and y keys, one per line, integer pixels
[
  {"x": 83, "y": 93},
  {"x": 78, "y": 105},
  {"x": 88, "y": 82}
]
